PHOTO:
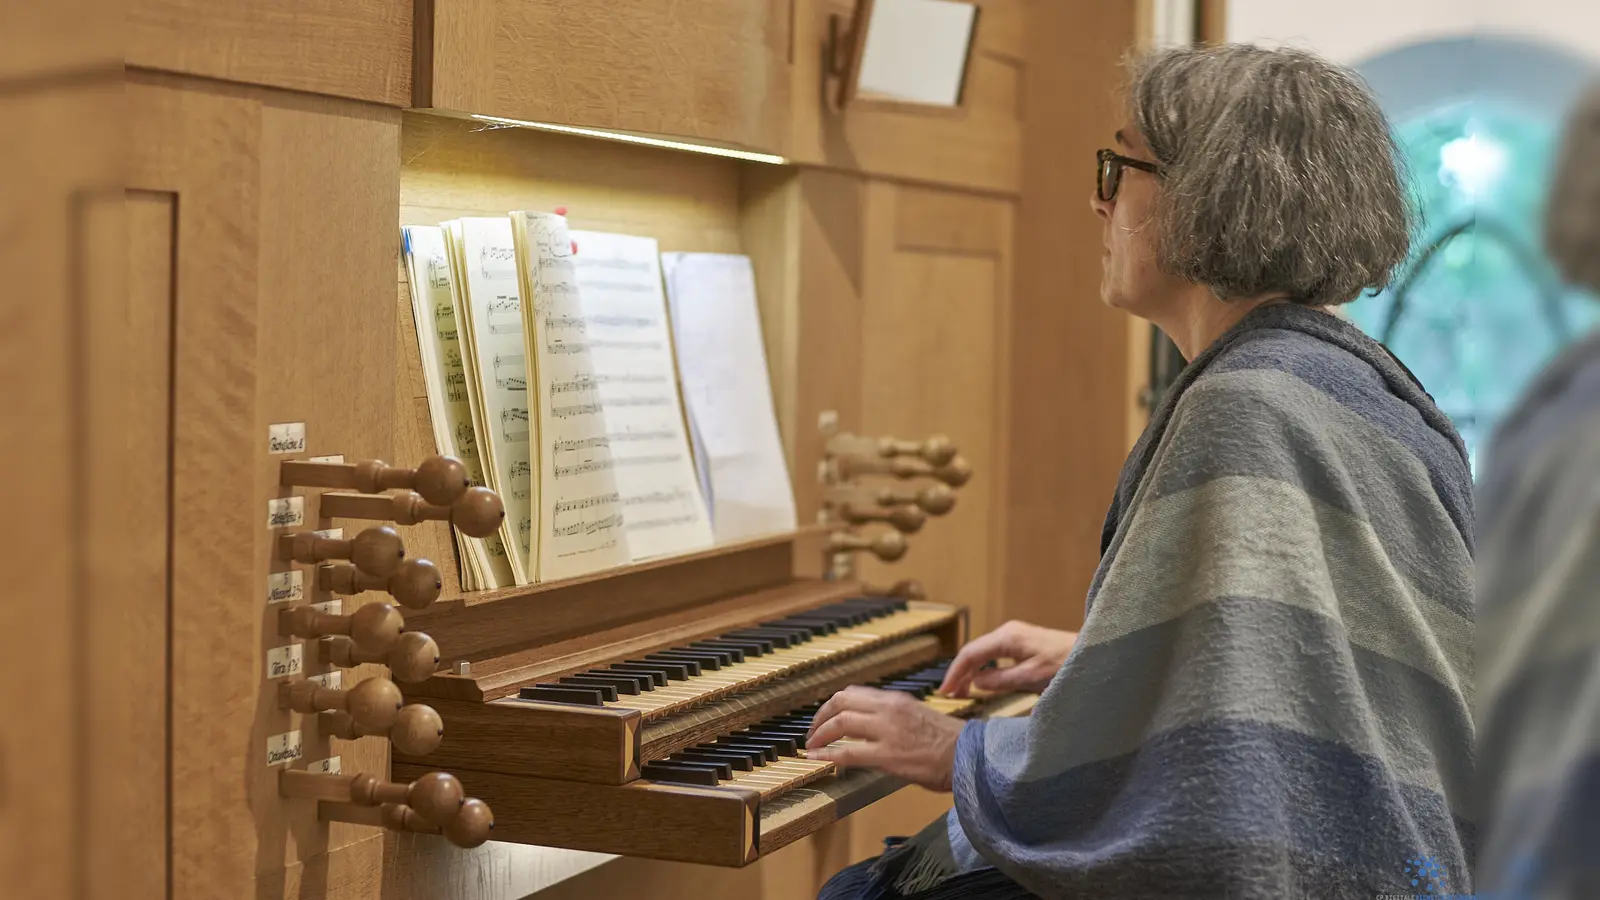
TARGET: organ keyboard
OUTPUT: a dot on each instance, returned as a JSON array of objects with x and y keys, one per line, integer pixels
[{"x": 662, "y": 711}]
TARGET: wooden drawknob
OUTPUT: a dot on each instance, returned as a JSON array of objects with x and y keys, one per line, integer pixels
[
  {"x": 440, "y": 479},
  {"x": 955, "y": 473},
  {"x": 374, "y": 703},
  {"x": 417, "y": 731},
  {"x": 436, "y": 796},
  {"x": 468, "y": 828},
  {"x": 375, "y": 627},
  {"x": 904, "y": 519},
  {"x": 375, "y": 551},
  {"x": 936, "y": 450},
  {"x": 471, "y": 826},
  {"x": 478, "y": 512},
  {"x": 414, "y": 656},
  {"x": 415, "y": 585},
  {"x": 887, "y": 546},
  {"x": 935, "y": 499}
]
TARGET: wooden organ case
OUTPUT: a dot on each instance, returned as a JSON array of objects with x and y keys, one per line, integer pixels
[{"x": 302, "y": 700}]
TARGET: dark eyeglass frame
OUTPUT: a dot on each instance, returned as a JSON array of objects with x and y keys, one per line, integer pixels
[{"x": 1108, "y": 171}]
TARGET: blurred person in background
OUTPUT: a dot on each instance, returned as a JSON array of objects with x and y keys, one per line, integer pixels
[
  {"x": 1271, "y": 694},
  {"x": 1539, "y": 587}
]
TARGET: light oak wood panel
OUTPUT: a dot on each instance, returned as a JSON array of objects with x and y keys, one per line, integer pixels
[
  {"x": 711, "y": 70},
  {"x": 58, "y": 165},
  {"x": 359, "y": 49},
  {"x": 1071, "y": 364},
  {"x": 977, "y": 145},
  {"x": 128, "y": 449},
  {"x": 63, "y": 38},
  {"x": 283, "y": 245}
]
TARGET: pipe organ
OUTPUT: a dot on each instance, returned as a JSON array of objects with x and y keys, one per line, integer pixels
[{"x": 273, "y": 672}]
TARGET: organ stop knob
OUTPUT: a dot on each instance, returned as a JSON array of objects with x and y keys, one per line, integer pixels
[
  {"x": 469, "y": 828},
  {"x": 375, "y": 627},
  {"x": 439, "y": 479},
  {"x": 904, "y": 519},
  {"x": 887, "y": 546},
  {"x": 374, "y": 703},
  {"x": 377, "y": 551},
  {"x": 415, "y": 585},
  {"x": 413, "y": 658},
  {"x": 477, "y": 513},
  {"x": 417, "y": 730}
]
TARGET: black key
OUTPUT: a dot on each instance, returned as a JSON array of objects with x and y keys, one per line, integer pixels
[
  {"x": 656, "y": 674},
  {"x": 692, "y": 664},
  {"x": 921, "y": 687},
  {"x": 800, "y": 633},
  {"x": 639, "y": 681},
  {"x": 709, "y": 659},
  {"x": 743, "y": 760},
  {"x": 817, "y": 625},
  {"x": 844, "y": 615},
  {"x": 677, "y": 671},
  {"x": 767, "y": 751},
  {"x": 784, "y": 743},
  {"x": 777, "y": 639},
  {"x": 743, "y": 648},
  {"x": 723, "y": 767},
  {"x": 733, "y": 654},
  {"x": 794, "y": 731},
  {"x": 561, "y": 693},
  {"x": 625, "y": 684},
  {"x": 678, "y": 773},
  {"x": 751, "y": 646},
  {"x": 608, "y": 691}
]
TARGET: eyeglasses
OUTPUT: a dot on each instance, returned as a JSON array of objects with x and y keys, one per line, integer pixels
[{"x": 1108, "y": 178}]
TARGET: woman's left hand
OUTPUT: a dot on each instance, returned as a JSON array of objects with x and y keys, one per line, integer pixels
[{"x": 893, "y": 732}]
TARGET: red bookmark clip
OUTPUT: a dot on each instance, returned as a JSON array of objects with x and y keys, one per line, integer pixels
[{"x": 561, "y": 211}]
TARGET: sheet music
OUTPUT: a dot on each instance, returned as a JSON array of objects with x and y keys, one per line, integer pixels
[
  {"x": 630, "y": 346},
  {"x": 433, "y": 302},
  {"x": 580, "y": 523},
  {"x": 487, "y": 254},
  {"x": 723, "y": 367}
]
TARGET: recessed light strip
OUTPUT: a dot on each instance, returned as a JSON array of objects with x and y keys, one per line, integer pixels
[{"x": 746, "y": 155}]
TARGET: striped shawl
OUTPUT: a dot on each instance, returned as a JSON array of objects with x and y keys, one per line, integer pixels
[{"x": 1272, "y": 692}]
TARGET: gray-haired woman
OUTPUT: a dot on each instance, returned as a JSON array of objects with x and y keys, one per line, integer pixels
[
  {"x": 1271, "y": 693},
  {"x": 1539, "y": 587}
]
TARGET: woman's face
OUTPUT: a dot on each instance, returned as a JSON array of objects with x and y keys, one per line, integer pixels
[{"x": 1130, "y": 279}]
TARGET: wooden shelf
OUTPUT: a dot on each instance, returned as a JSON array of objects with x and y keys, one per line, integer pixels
[{"x": 487, "y": 624}]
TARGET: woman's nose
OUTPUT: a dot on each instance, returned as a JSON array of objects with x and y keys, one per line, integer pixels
[{"x": 1101, "y": 207}]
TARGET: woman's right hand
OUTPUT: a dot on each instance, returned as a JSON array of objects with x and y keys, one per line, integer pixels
[{"x": 1038, "y": 652}]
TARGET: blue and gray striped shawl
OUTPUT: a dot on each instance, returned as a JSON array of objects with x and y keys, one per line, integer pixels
[{"x": 1271, "y": 696}]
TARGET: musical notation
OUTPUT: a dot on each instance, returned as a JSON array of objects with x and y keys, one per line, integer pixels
[
  {"x": 451, "y": 336},
  {"x": 623, "y": 402},
  {"x": 575, "y": 409},
  {"x": 562, "y": 446},
  {"x": 565, "y": 348},
  {"x": 589, "y": 526},
  {"x": 455, "y": 387},
  {"x": 452, "y": 356},
  {"x": 619, "y": 321},
  {"x": 514, "y": 425},
  {"x": 466, "y": 438},
  {"x": 521, "y": 479},
  {"x": 511, "y": 371},
  {"x": 552, "y": 322},
  {"x": 505, "y": 316},
  {"x": 592, "y": 465},
  {"x": 497, "y": 261},
  {"x": 443, "y": 311},
  {"x": 649, "y": 459},
  {"x": 521, "y": 470},
  {"x": 581, "y": 383},
  {"x": 595, "y": 514},
  {"x": 654, "y": 498},
  {"x": 438, "y": 272},
  {"x": 658, "y": 434}
]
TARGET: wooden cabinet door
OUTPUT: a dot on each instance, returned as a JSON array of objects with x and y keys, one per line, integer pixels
[
  {"x": 359, "y": 49},
  {"x": 712, "y": 70},
  {"x": 261, "y": 243}
]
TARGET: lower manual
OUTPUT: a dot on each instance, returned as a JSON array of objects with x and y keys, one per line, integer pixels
[{"x": 725, "y": 801}]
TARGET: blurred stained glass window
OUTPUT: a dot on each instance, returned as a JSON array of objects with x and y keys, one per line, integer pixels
[{"x": 1476, "y": 311}]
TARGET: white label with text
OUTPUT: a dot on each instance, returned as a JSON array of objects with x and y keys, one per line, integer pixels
[
  {"x": 285, "y": 661},
  {"x": 329, "y": 766},
  {"x": 286, "y": 512},
  {"x": 332, "y": 681},
  {"x": 283, "y": 748},
  {"x": 336, "y": 458},
  {"x": 286, "y": 437},
  {"x": 332, "y": 607},
  {"x": 336, "y": 534},
  {"x": 286, "y": 587}
]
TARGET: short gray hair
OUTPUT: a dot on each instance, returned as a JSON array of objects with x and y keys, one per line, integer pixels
[
  {"x": 1572, "y": 217},
  {"x": 1280, "y": 173}
]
